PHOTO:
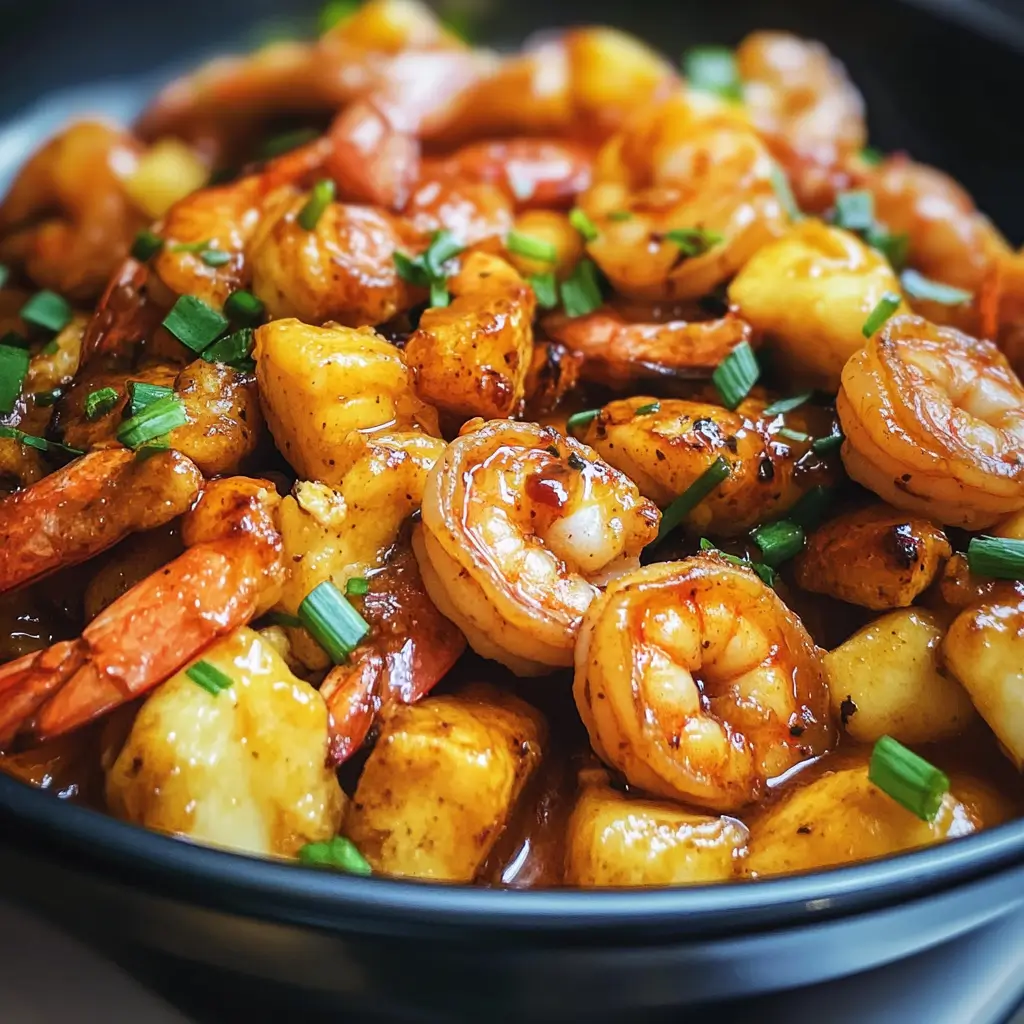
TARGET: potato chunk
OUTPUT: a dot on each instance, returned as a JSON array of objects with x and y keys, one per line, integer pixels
[
  {"x": 440, "y": 785},
  {"x": 244, "y": 769},
  {"x": 810, "y": 293},
  {"x": 888, "y": 679},
  {"x": 613, "y": 840}
]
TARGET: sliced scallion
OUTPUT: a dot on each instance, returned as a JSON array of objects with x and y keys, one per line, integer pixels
[
  {"x": 581, "y": 420},
  {"x": 887, "y": 305},
  {"x": 44, "y": 399},
  {"x": 334, "y": 623},
  {"x": 583, "y": 224},
  {"x": 195, "y": 324},
  {"x": 784, "y": 193},
  {"x": 646, "y": 410},
  {"x": 13, "y": 368},
  {"x": 320, "y": 198},
  {"x": 334, "y": 12},
  {"x": 826, "y": 444},
  {"x": 287, "y": 141},
  {"x": 779, "y": 541},
  {"x": 918, "y": 286},
  {"x": 679, "y": 509},
  {"x": 811, "y": 507},
  {"x": 713, "y": 69},
  {"x": 872, "y": 156},
  {"x": 284, "y": 619},
  {"x": 581, "y": 293},
  {"x": 47, "y": 310},
  {"x": 855, "y": 211},
  {"x": 765, "y": 572},
  {"x": 895, "y": 248},
  {"x": 443, "y": 247},
  {"x": 39, "y": 443},
  {"x": 411, "y": 269},
  {"x": 909, "y": 779},
  {"x": 99, "y": 402},
  {"x": 155, "y": 420},
  {"x": 209, "y": 677},
  {"x": 736, "y": 375},
  {"x": 787, "y": 404},
  {"x": 620, "y": 215},
  {"x": 141, "y": 394},
  {"x": 338, "y": 853},
  {"x": 693, "y": 241},
  {"x": 545, "y": 287},
  {"x": 5, "y": 274},
  {"x": 796, "y": 436},
  {"x": 243, "y": 307},
  {"x": 232, "y": 349},
  {"x": 215, "y": 257},
  {"x": 146, "y": 245},
  {"x": 999, "y": 557},
  {"x": 357, "y": 586},
  {"x": 530, "y": 247}
]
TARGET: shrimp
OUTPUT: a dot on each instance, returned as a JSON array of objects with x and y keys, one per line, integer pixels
[
  {"x": 666, "y": 445},
  {"x": 696, "y": 682},
  {"x": 620, "y": 354},
  {"x": 473, "y": 213},
  {"x": 230, "y": 573},
  {"x": 519, "y": 526},
  {"x": 67, "y": 218},
  {"x": 88, "y": 506},
  {"x": 934, "y": 423}
]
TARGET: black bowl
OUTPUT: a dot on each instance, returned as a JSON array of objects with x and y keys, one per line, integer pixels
[{"x": 939, "y": 89}]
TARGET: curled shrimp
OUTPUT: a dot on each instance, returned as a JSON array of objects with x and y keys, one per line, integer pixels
[
  {"x": 934, "y": 423},
  {"x": 88, "y": 506},
  {"x": 230, "y": 572},
  {"x": 518, "y": 526},
  {"x": 472, "y": 212},
  {"x": 696, "y": 682}
]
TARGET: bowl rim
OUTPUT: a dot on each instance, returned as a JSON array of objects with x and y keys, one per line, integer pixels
[{"x": 80, "y": 838}]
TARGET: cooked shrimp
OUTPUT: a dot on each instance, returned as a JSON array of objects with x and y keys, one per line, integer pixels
[
  {"x": 696, "y": 682},
  {"x": 473, "y": 213},
  {"x": 934, "y": 423},
  {"x": 519, "y": 524},
  {"x": 230, "y": 573},
  {"x": 88, "y": 506}
]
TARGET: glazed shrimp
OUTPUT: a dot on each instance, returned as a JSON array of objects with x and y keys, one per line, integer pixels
[
  {"x": 519, "y": 525},
  {"x": 934, "y": 423},
  {"x": 230, "y": 573},
  {"x": 698, "y": 684}
]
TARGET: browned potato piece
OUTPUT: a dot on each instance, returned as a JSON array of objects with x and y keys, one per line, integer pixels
[
  {"x": 471, "y": 358},
  {"x": 442, "y": 781},
  {"x": 877, "y": 557},
  {"x": 614, "y": 840}
]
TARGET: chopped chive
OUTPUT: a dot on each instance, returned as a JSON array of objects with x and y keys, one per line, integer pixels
[
  {"x": 545, "y": 287},
  {"x": 872, "y": 156},
  {"x": 713, "y": 69},
  {"x": 39, "y": 443},
  {"x": 439, "y": 294},
  {"x": 411, "y": 270},
  {"x": 581, "y": 293},
  {"x": 320, "y": 198},
  {"x": 284, "y": 619},
  {"x": 99, "y": 402},
  {"x": 530, "y": 247},
  {"x": 620, "y": 215},
  {"x": 575, "y": 462},
  {"x": 645, "y": 410},
  {"x": 334, "y": 12},
  {"x": 141, "y": 394},
  {"x": 195, "y": 324},
  {"x": 909, "y": 779},
  {"x": 357, "y": 586},
  {"x": 779, "y": 541},
  {"x": 158, "y": 444},
  {"x": 44, "y": 399},
  {"x": 209, "y": 677},
  {"x": 583, "y": 224},
  {"x": 339, "y": 853},
  {"x": 920, "y": 287},
  {"x": 287, "y": 141},
  {"x": 999, "y": 557},
  {"x": 679, "y": 509},
  {"x": 334, "y": 623},
  {"x": 811, "y": 507},
  {"x": 887, "y": 305},
  {"x": 797, "y": 436},
  {"x": 155, "y": 420},
  {"x": 855, "y": 211},
  {"x": 736, "y": 375},
  {"x": 215, "y": 257},
  {"x": 232, "y": 349},
  {"x": 784, "y": 193},
  {"x": 243, "y": 307},
  {"x": 146, "y": 245},
  {"x": 13, "y": 368},
  {"x": 764, "y": 571},
  {"x": 826, "y": 444},
  {"x": 895, "y": 248},
  {"x": 693, "y": 241},
  {"x": 443, "y": 247},
  {"x": 5, "y": 274},
  {"x": 579, "y": 420},
  {"x": 47, "y": 310},
  {"x": 192, "y": 247},
  {"x": 787, "y": 404}
]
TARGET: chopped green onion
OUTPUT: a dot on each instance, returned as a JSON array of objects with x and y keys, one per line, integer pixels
[
  {"x": 411, "y": 270},
  {"x": 284, "y": 619},
  {"x": 439, "y": 294},
  {"x": 581, "y": 293},
  {"x": 232, "y": 349},
  {"x": 693, "y": 241},
  {"x": 158, "y": 444},
  {"x": 644, "y": 410},
  {"x": 321, "y": 197},
  {"x": 193, "y": 247},
  {"x": 872, "y": 156},
  {"x": 736, "y": 375},
  {"x": 99, "y": 402},
  {"x": 4, "y": 275},
  {"x": 829, "y": 443},
  {"x": 620, "y": 215},
  {"x": 920, "y": 287},
  {"x": 855, "y": 211},
  {"x": 779, "y": 541},
  {"x": 287, "y": 141},
  {"x": 679, "y": 509},
  {"x": 209, "y": 677},
  {"x": 887, "y": 305},
  {"x": 765, "y": 572},
  {"x": 787, "y": 404},
  {"x": 530, "y": 247},
  {"x": 575, "y": 462},
  {"x": 713, "y": 69},
  {"x": 334, "y": 623},
  {"x": 48, "y": 310},
  {"x": 215, "y": 257},
  {"x": 583, "y": 224},
  {"x": 141, "y": 394},
  {"x": 427, "y": 269},
  {"x": 784, "y": 193},
  {"x": 895, "y": 248},
  {"x": 810, "y": 509},
  {"x": 44, "y": 399},
  {"x": 443, "y": 247},
  {"x": 146, "y": 245},
  {"x": 13, "y": 368},
  {"x": 155, "y": 420},
  {"x": 39, "y": 443},
  {"x": 909, "y": 779},
  {"x": 580, "y": 420},
  {"x": 357, "y": 586},
  {"x": 545, "y": 287},
  {"x": 339, "y": 853},
  {"x": 798, "y": 436},
  {"x": 1000, "y": 557},
  {"x": 195, "y": 324},
  {"x": 243, "y": 307},
  {"x": 334, "y": 12}
]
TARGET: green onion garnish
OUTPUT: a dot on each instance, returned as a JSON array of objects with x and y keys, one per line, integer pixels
[
  {"x": 530, "y": 247},
  {"x": 284, "y": 619},
  {"x": 99, "y": 402},
  {"x": 784, "y": 193},
  {"x": 787, "y": 404},
  {"x": 215, "y": 257},
  {"x": 910, "y": 780},
  {"x": 583, "y": 224},
  {"x": 192, "y": 247},
  {"x": 679, "y": 509},
  {"x": 581, "y": 293},
  {"x": 581, "y": 420},
  {"x": 443, "y": 247},
  {"x": 428, "y": 269},
  {"x": 243, "y": 307},
  {"x": 209, "y": 677},
  {"x": 1000, "y": 557},
  {"x": 357, "y": 586},
  {"x": 713, "y": 69},
  {"x": 644, "y": 410},
  {"x": 811, "y": 507},
  {"x": 141, "y": 394},
  {"x": 411, "y": 270},
  {"x": 887, "y": 305},
  {"x": 829, "y": 443},
  {"x": 321, "y": 197},
  {"x": 146, "y": 245},
  {"x": 855, "y": 211},
  {"x": 39, "y": 443},
  {"x": 158, "y": 444},
  {"x": 439, "y": 294},
  {"x": 872, "y": 156},
  {"x": 620, "y": 215},
  {"x": 693, "y": 241},
  {"x": 339, "y": 853},
  {"x": 920, "y": 287},
  {"x": 779, "y": 541},
  {"x": 155, "y": 420},
  {"x": 195, "y": 324},
  {"x": 44, "y": 399},
  {"x": 335, "y": 624},
  {"x": 545, "y": 287},
  {"x": 797, "y": 436},
  {"x": 765, "y": 572},
  {"x": 48, "y": 310},
  {"x": 895, "y": 248},
  {"x": 736, "y": 375},
  {"x": 287, "y": 141},
  {"x": 4, "y": 275},
  {"x": 13, "y": 368},
  {"x": 334, "y": 12},
  {"x": 232, "y": 349}
]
